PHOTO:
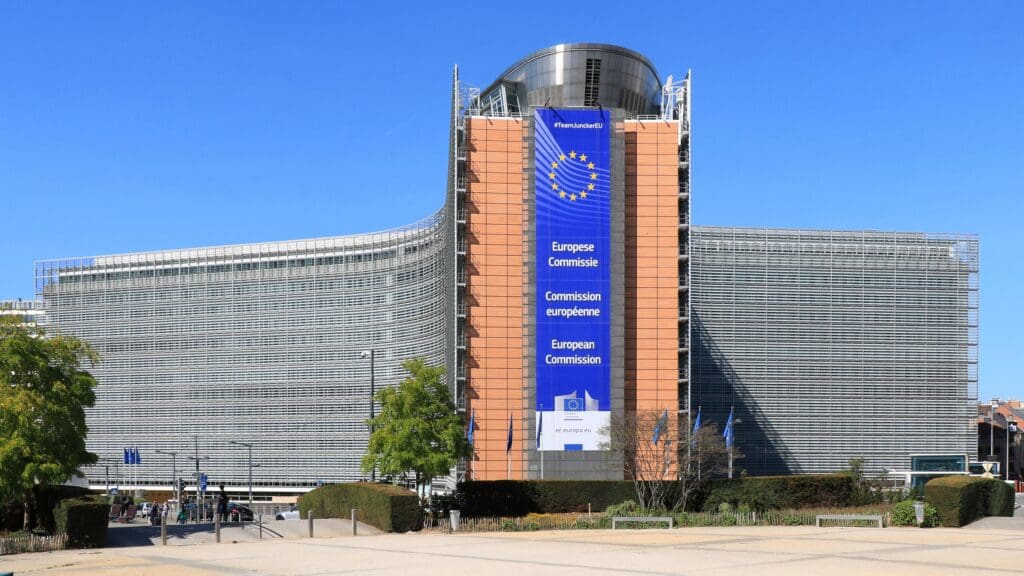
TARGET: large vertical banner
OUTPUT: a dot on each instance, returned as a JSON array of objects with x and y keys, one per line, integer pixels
[{"x": 573, "y": 240}]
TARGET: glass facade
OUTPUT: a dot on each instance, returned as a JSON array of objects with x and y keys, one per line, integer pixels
[
  {"x": 834, "y": 345},
  {"x": 256, "y": 343}
]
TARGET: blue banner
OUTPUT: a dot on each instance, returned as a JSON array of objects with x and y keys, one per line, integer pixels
[{"x": 572, "y": 154}]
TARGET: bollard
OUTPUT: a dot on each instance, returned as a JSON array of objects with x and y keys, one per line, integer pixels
[
  {"x": 216, "y": 527},
  {"x": 353, "y": 521},
  {"x": 310, "y": 515},
  {"x": 588, "y": 512},
  {"x": 261, "y": 526},
  {"x": 163, "y": 530}
]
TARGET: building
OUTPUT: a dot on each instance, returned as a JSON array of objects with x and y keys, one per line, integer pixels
[
  {"x": 30, "y": 312},
  {"x": 260, "y": 344},
  {"x": 571, "y": 179},
  {"x": 999, "y": 436},
  {"x": 555, "y": 286},
  {"x": 833, "y": 344}
]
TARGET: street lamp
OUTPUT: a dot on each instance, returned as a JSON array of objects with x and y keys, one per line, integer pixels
[
  {"x": 364, "y": 355},
  {"x": 174, "y": 472},
  {"x": 249, "y": 446},
  {"x": 1011, "y": 423},
  {"x": 991, "y": 430}
]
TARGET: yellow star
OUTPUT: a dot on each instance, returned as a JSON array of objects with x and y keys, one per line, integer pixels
[
  {"x": 554, "y": 164},
  {"x": 590, "y": 166},
  {"x": 561, "y": 194},
  {"x": 590, "y": 186},
  {"x": 551, "y": 175},
  {"x": 561, "y": 157},
  {"x": 572, "y": 154},
  {"x": 554, "y": 186},
  {"x": 572, "y": 197},
  {"x": 583, "y": 193},
  {"x": 593, "y": 176},
  {"x": 583, "y": 157}
]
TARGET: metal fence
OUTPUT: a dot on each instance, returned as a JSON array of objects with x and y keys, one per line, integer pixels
[{"x": 532, "y": 522}]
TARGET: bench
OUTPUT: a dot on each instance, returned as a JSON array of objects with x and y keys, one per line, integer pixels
[
  {"x": 848, "y": 517},
  {"x": 617, "y": 519}
]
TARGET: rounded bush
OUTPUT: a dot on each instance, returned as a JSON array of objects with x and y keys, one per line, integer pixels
[{"x": 903, "y": 515}]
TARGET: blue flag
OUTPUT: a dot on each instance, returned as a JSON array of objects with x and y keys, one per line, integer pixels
[
  {"x": 126, "y": 456},
  {"x": 508, "y": 445},
  {"x": 662, "y": 422},
  {"x": 728, "y": 431},
  {"x": 696, "y": 429},
  {"x": 138, "y": 457},
  {"x": 469, "y": 431},
  {"x": 540, "y": 427}
]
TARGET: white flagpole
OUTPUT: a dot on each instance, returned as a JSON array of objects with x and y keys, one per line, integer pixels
[{"x": 540, "y": 434}]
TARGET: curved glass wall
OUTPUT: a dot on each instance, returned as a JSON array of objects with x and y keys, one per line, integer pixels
[{"x": 257, "y": 343}]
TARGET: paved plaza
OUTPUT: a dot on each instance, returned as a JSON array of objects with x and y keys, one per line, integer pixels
[{"x": 760, "y": 551}]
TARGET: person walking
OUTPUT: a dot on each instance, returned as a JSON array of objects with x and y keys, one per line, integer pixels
[{"x": 222, "y": 504}]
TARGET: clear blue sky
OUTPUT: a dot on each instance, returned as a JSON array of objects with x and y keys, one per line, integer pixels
[{"x": 126, "y": 127}]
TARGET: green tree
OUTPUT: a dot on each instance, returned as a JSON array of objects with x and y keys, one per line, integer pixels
[
  {"x": 44, "y": 392},
  {"x": 417, "y": 429}
]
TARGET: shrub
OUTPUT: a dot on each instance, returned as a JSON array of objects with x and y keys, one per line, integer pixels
[
  {"x": 390, "y": 508},
  {"x": 761, "y": 493},
  {"x": 84, "y": 520},
  {"x": 518, "y": 498},
  {"x": 962, "y": 499},
  {"x": 999, "y": 498},
  {"x": 903, "y": 514}
]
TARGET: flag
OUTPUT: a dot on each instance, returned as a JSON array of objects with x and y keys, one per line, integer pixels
[
  {"x": 662, "y": 422},
  {"x": 469, "y": 431},
  {"x": 696, "y": 429},
  {"x": 540, "y": 427},
  {"x": 138, "y": 457},
  {"x": 728, "y": 431},
  {"x": 508, "y": 445},
  {"x": 125, "y": 455}
]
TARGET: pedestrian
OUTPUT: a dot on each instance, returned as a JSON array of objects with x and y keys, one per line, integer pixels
[{"x": 222, "y": 504}]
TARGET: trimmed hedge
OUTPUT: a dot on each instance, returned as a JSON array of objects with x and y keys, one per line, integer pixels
[
  {"x": 518, "y": 498},
  {"x": 961, "y": 500},
  {"x": 779, "y": 492},
  {"x": 45, "y": 499},
  {"x": 388, "y": 507},
  {"x": 84, "y": 520},
  {"x": 999, "y": 499},
  {"x": 522, "y": 497}
]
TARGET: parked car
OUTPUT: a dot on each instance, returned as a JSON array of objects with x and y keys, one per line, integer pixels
[
  {"x": 290, "y": 514},
  {"x": 144, "y": 509},
  {"x": 241, "y": 512}
]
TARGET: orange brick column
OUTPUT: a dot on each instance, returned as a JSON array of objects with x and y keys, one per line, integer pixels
[
  {"x": 652, "y": 268},
  {"x": 494, "y": 202}
]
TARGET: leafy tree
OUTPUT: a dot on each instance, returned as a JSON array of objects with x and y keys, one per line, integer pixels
[
  {"x": 668, "y": 472},
  {"x": 418, "y": 429},
  {"x": 44, "y": 392}
]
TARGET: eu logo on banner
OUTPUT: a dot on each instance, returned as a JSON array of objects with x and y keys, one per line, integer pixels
[{"x": 573, "y": 404}]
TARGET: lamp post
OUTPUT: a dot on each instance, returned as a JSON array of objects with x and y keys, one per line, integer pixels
[
  {"x": 991, "y": 430},
  {"x": 174, "y": 472},
  {"x": 1011, "y": 423},
  {"x": 249, "y": 446},
  {"x": 371, "y": 354}
]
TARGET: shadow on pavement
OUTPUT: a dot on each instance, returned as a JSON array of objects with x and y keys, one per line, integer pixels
[{"x": 119, "y": 536}]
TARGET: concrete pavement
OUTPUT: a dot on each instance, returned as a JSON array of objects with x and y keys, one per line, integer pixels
[{"x": 704, "y": 551}]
